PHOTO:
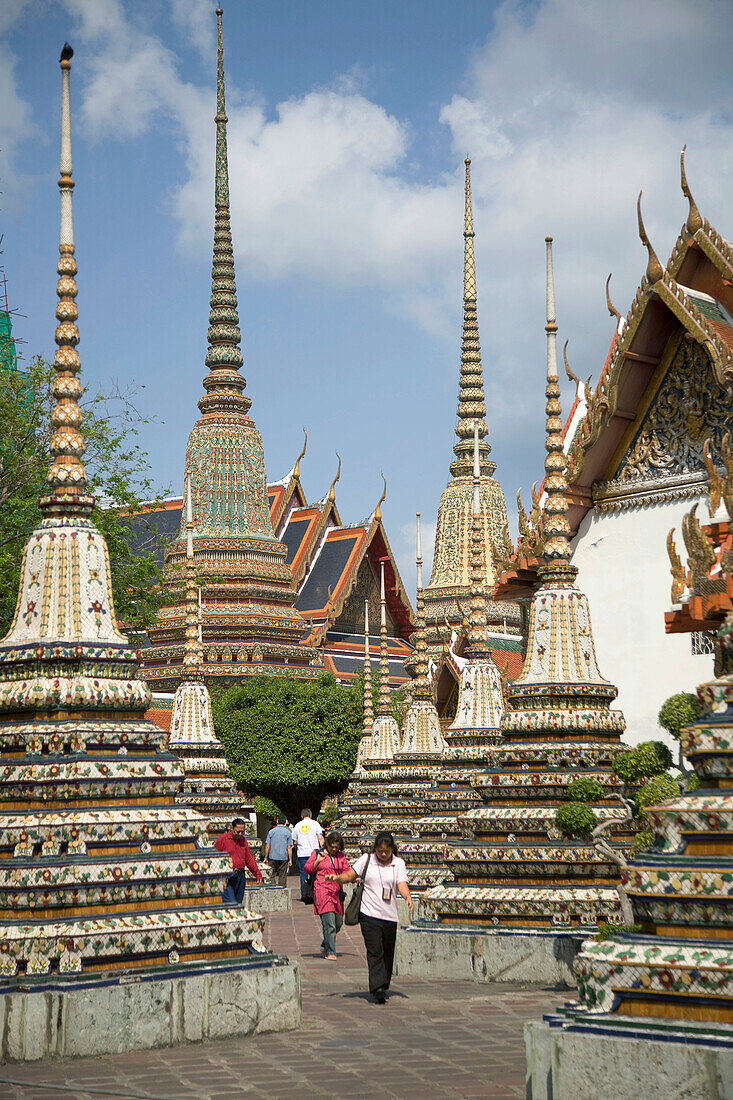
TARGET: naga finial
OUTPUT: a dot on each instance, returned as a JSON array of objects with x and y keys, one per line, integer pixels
[
  {"x": 613, "y": 312},
  {"x": 380, "y": 502},
  {"x": 715, "y": 481},
  {"x": 654, "y": 269},
  {"x": 694, "y": 218},
  {"x": 332, "y": 490},
  {"x": 568, "y": 369},
  {"x": 296, "y": 467}
]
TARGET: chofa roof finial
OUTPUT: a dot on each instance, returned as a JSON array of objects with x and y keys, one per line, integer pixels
[
  {"x": 380, "y": 502},
  {"x": 613, "y": 312},
  {"x": 694, "y": 219},
  {"x": 654, "y": 269},
  {"x": 296, "y": 467},
  {"x": 332, "y": 490}
]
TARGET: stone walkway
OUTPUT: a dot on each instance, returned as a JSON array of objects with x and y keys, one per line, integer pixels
[{"x": 443, "y": 1039}]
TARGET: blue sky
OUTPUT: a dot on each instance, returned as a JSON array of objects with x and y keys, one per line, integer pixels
[{"x": 348, "y": 127}]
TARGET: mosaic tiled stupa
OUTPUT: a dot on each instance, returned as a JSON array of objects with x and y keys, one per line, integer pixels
[
  {"x": 208, "y": 787},
  {"x": 520, "y": 872},
  {"x": 659, "y": 1001},
  {"x": 450, "y": 583},
  {"x": 106, "y": 886},
  {"x": 361, "y": 803},
  {"x": 249, "y": 623}
]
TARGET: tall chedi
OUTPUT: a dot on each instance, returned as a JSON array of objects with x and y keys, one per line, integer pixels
[
  {"x": 207, "y": 788},
  {"x": 521, "y": 872},
  {"x": 105, "y": 884},
  {"x": 249, "y": 621},
  {"x": 473, "y": 732},
  {"x": 449, "y": 590}
]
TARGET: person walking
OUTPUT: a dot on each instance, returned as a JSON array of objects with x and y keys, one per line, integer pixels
[
  {"x": 384, "y": 876},
  {"x": 308, "y": 837},
  {"x": 235, "y": 843},
  {"x": 279, "y": 850},
  {"x": 328, "y": 896}
]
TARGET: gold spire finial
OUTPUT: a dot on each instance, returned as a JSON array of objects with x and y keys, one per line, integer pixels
[
  {"x": 368, "y": 703},
  {"x": 477, "y": 632},
  {"x": 613, "y": 312},
  {"x": 385, "y": 709},
  {"x": 296, "y": 467},
  {"x": 471, "y": 403},
  {"x": 694, "y": 219},
  {"x": 555, "y": 522},
  {"x": 421, "y": 688},
  {"x": 332, "y": 490},
  {"x": 654, "y": 269},
  {"x": 380, "y": 502},
  {"x": 67, "y": 477}
]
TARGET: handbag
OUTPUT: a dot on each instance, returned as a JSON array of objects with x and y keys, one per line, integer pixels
[
  {"x": 353, "y": 909},
  {"x": 307, "y": 892}
]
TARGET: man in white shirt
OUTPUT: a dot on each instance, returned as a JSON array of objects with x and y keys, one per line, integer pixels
[{"x": 307, "y": 835}]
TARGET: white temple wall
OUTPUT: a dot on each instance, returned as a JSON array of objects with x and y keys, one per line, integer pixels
[{"x": 624, "y": 570}]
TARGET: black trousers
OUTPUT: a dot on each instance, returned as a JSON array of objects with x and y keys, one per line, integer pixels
[{"x": 379, "y": 940}]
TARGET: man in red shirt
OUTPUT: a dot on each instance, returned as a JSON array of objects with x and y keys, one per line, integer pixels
[{"x": 235, "y": 843}]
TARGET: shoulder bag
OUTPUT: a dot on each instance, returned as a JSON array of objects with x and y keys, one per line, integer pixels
[{"x": 351, "y": 916}]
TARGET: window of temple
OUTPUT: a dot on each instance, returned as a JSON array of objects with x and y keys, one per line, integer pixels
[{"x": 701, "y": 642}]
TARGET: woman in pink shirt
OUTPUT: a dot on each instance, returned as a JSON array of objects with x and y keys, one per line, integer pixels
[
  {"x": 384, "y": 876},
  {"x": 328, "y": 862}
]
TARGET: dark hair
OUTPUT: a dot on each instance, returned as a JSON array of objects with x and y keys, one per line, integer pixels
[
  {"x": 335, "y": 837},
  {"x": 281, "y": 819},
  {"x": 385, "y": 838},
  {"x": 238, "y": 821},
  {"x": 306, "y": 813}
]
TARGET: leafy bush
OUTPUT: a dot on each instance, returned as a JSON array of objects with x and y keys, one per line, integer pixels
[
  {"x": 266, "y": 807},
  {"x": 576, "y": 819},
  {"x": 677, "y": 712},
  {"x": 647, "y": 759},
  {"x": 585, "y": 789},
  {"x": 292, "y": 741},
  {"x": 608, "y": 931},
  {"x": 659, "y": 789},
  {"x": 693, "y": 782},
  {"x": 643, "y": 840}
]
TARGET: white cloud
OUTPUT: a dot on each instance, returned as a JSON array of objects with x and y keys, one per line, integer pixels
[{"x": 16, "y": 120}]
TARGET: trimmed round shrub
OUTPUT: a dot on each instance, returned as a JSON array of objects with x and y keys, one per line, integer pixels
[
  {"x": 678, "y": 711},
  {"x": 693, "y": 782},
  {"x": 659, "y": 789},
  {"x": 642, "y": 840},
  {"x": 576, "y": 819},
  {"x": 647, "y": 759},
  {"x": 585, "y": 789}
]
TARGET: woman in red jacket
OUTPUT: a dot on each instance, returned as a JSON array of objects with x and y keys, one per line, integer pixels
[{"x": 328, "y": 896}]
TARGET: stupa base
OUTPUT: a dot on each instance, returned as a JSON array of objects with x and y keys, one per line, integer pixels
[
  {"x": 622, "y": 1058},
  {"x": 268, "y": 899},
  {"x": 124, "y": 1011},
  {"x": 458, "y": 953}
]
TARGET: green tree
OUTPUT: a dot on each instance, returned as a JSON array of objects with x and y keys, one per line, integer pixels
[
  {"x": 293, "y": 741},
  {"x": 118, "y": 473},
  {"x": 675, "y": 713},
  {"x": 576, "y": 819}
]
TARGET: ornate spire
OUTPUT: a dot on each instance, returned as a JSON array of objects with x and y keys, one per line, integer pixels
[
  {"x": 471, "y": 405},
  {"x": 477, "y": 632},
  {"x": 368, "y": 705},
  {"x": 421, "y": 685},
  {"x": 224, "y": 384},
  {"x": 192, "y": 654},
  {"x": 556, "y": 526},
  {"x": 67, "y": 477},
  {"x": 384, "y": 709}
]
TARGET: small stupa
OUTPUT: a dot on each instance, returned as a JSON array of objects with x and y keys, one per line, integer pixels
[
  {"x": 520, "y": 872},
  {"x": 105, "y": 884},
  {"x": 208, "y": 787}
]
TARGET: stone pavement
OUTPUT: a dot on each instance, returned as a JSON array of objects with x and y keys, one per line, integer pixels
[{"x": 442, "y": 1039}]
